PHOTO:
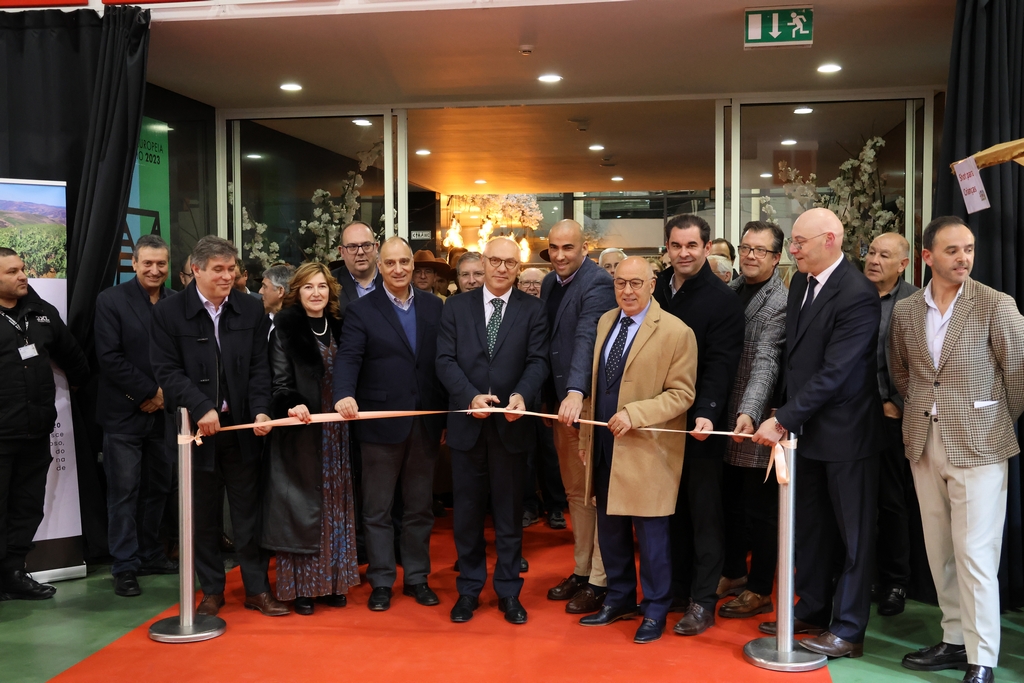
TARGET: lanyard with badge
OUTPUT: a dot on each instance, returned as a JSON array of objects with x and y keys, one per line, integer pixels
[{"x": 28, "y": 349}]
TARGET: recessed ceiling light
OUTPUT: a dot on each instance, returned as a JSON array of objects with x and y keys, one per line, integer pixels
[
  {"x": 789, "y": 142},
  {"x": 617, "y": 179},
  {"x": 480, "y": 182},
  {"x": 423, "y": 152},
  {"x": 361, "y": 122},
  {"x": 253, "y": 156},
  {"x": 596, "y": 148},
  {"x": 555, "y": 208},
  {"x": 829, "y": 68},
  {"x": 766, "y": 175},
  {"x": 549, "y": 78},
  {"x": 802, "y": 110},
  {"x": 291, "y": 87}
]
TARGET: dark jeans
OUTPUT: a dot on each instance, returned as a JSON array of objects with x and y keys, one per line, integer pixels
[
  {"x": 896, "y": 499},
  {"x": 138, "y": 473},
  {"x": 410, "y": 465},
  {"x": 239, "y": 475},
  {"x": 698, "y": 533},
  {"x": 23, "y": 470},
  {"x": 751, "y": 507},
  {"x": 542, "y": 470},
  {"x": 488, "y": 468}
]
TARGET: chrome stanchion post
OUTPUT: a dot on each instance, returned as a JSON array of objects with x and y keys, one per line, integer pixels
[
  {"x": 780, "y": 653},
  {"x": 188, "y": 627}
]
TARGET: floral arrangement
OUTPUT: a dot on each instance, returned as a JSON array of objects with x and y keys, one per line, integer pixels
[
  {"x": 857, "y": 198},
  {"x": 504, "y": 210},
  {"x": 255, "y": 246},
  {"x": 329, "y": 217}
]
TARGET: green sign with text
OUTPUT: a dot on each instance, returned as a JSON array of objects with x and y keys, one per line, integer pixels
[{"x": 779, "y": 27}]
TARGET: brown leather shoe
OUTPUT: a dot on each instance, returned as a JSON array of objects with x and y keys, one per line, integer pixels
[
  {"x": 585, "y": 601},
  {"x": 728, "y": 587},
  {"x": 211, "y": 604},
  {"x": 695, "y": 621},
  {"x": 567, "y": 588},
  {"x": 799, "y": 627},
  {"x": 831, "y": 645},
  {"x": 746, "y": 605},
  {"x": 266, "y": 604}
]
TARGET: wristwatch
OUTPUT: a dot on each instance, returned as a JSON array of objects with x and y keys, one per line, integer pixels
[{"x": 778, "y": 427}]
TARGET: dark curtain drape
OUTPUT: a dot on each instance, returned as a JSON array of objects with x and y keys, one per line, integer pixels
[
  {"x": 74, "y": 86},
  {"x": 984, "y": 108}
]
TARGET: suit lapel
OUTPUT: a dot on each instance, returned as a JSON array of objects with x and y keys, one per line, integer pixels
[
  {"x": 387, "y": 309},
  {"x": 647, "y": 329},
  {"x": 508, "y": 319},
  {"x": 961, "y": 311},
  {"x": 603, "y": 328},
  {"x": 578, "y": 281},
  {"x": 476, "y": 312},
  {"x": 138, "y": 301},
  {"x": 828, "y": 291},
  {"x": 797, "y": 291}
]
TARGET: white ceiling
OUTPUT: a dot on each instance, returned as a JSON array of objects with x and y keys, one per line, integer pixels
[{"x": 640, "y": 49}]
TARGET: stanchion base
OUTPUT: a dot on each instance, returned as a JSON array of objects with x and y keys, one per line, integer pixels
[
  {"x": 764, "y": 653},
  {"x": 170, "y": 630}
]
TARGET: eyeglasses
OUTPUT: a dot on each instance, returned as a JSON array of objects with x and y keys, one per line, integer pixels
[
  {"x": 759, "y": 252},
  {"x": 496, "y": 262},
  {"x": 799, "y": 244},
  {"x": 365, "y": 247},
  {"x": 529, "y": 283},
  {"x": 634, "y": 284}
]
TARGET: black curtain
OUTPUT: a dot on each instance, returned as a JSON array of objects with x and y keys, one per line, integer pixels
[
  {"x": 984, "y": 108},
  {"x": 74, "y": 85}
]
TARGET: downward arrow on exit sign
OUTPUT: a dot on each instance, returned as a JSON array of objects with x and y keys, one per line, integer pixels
[{"x": 778, "y": 27}]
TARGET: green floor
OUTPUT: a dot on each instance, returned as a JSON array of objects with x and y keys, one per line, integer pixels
[{"x": 40, "y": 639}]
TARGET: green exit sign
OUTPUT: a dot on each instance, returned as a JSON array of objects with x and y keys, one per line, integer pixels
[{"x": 778, "y": 27}]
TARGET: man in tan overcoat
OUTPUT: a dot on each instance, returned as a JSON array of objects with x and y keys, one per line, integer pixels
[{"x": 645, "y": 366}]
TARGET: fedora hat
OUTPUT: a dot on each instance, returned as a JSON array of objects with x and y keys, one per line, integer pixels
[{"x": 424, "y": 258}]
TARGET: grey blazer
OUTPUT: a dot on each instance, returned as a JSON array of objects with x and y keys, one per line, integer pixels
[
  {"x": 758, "y": 372},
  {"x": 574, "y": 331}
]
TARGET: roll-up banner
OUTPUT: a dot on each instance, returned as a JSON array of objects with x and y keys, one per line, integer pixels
[{"x": 33, "y": 222}]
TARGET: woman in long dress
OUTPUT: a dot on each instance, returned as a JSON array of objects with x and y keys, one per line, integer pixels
[{"x": 308, "y": 510}]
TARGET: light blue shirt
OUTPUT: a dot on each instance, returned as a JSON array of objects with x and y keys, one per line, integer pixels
[
  {"x": 363, "y": 291},
  {"x": 638, "y": 320}
]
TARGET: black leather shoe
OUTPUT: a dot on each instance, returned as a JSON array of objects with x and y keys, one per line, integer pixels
[
  {"x": 380, "y": 599},
  {"x": 524, "y": 566},
  {"x": 650, "y": 630},
  {"x": 161, "y": 566},
  {"x": 515, "y": 613},
  {"x": 979, "y": 674},
  {"x": 422, "y": 593},
  {"x": 608, "y": 615},
  {"x": 303, "y": 606},
  {"x": 937, "y": 658},
  {"x": 530, "y": 517},
  {"x": 892, "y": 602},
  {"x": 126, "y": 584},
  {"x": 333, "y": 600},
  {"x": 799, "y": 627},
  {"x": 464, "y": 608},
  {"x": 18, "y": 585},
  {"x": 556, "y": 520}
]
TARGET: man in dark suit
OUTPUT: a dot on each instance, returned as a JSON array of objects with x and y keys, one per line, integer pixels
[
  {"x": 136, "y": 460},
  {"x": 359, "y": 275},
  {"x": 209, "y": 354},
  {"x": 690, "y": 291},
  {"x": 575, "y": 295},
  {"x": 887, "y": 258},
  {"x": 832, "y": 404},
  {"x": 491, "y": 350},
  {"x": 386, "y": 361}
]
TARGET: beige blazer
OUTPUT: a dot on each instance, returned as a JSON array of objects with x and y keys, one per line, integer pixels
[
  {"x": 657, "y": 389},
  {"x": 978, "y": 387}
]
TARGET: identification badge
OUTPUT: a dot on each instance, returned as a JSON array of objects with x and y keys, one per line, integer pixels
[{"x": 28, "y": 352}]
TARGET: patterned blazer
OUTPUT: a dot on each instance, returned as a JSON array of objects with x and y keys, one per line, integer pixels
[
  {"x": 758, "y": 371},
  {"x": 978, "y": 387}
]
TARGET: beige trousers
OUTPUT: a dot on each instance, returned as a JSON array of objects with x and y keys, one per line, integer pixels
[
  {"x": 963, "y": 511},
  {"x": 586, "y": 551}
]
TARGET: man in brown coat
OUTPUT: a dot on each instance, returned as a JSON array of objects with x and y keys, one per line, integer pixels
[{"x": 644, "y": 370}]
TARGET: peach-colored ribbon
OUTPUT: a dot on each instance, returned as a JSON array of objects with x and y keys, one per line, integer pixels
[{"x": 778, "y": 456}]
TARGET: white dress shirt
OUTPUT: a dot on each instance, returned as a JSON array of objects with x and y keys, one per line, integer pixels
[
  {"x": 489, "y": 307},
  {"x": 215, "y": 312},
  {"x": 935, "y": 326},
  {"x": 822, "y": 278}
]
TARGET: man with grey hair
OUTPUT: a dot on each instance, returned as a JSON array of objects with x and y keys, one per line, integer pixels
[
  {"x": 209, "y": 354},
  {"x": 469, "y": 271},
  {"x": 721, "y": 266},
  {"x": 130, "y": 405},
  {"x": 610, "y": 259},
  {"x": 275, "y": 287},
  {"x": 887, "y": 259}
]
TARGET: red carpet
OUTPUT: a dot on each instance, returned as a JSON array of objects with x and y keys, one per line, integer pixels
[{"x": 415, "y": 643}]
